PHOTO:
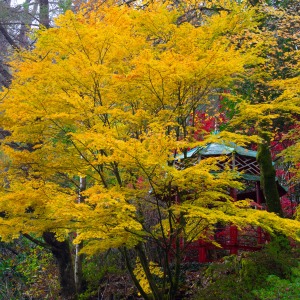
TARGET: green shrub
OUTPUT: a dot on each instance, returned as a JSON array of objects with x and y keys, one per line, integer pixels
[
  {"x": 27, "y": 271},
  {"x": 283, "y": 289},
  {"x": 237, "y": 277}
]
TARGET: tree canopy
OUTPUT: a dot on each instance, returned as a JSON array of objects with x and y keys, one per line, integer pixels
[{"x": 110, "y": 95}]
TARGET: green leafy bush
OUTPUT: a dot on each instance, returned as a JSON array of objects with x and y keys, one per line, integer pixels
[
  {"x": 283, "y": 289},
  {"x": 27, "y": 271},
  {"x": 237, "y": 277}
]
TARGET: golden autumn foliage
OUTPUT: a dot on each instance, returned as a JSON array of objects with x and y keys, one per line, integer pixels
[{"x": 107, "y": 95}]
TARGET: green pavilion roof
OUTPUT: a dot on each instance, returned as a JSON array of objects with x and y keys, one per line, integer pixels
[{"x": 215, "y": 149}]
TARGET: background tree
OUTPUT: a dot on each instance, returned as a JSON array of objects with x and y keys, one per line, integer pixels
[
  {"x": 17, "y": 23},
  {"x": 274, "y": 114},
  {"x": 17, "y": 20}
]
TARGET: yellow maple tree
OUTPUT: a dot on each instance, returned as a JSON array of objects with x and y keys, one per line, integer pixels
[{"x": 106, "y": 95}]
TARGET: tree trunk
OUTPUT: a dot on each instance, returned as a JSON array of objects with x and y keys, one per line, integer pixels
[
  {"x": 145, "y": 264},
  {"x": 78, "y": 247},
  {"x": 268, "y": 176},
  {"x": 44, "y": 14},
  {"x": 131, "y": 272},
  {"x": 62, "y": 253}
]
